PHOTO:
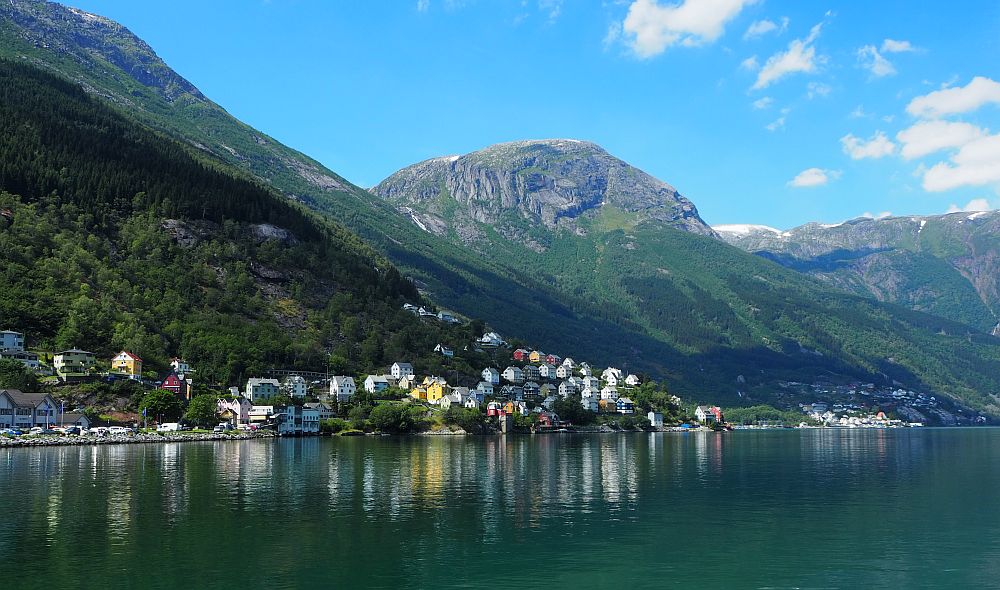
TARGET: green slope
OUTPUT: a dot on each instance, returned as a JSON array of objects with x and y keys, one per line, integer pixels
[
  {"x": 688, "y": 307},
  {"x": 114, "y": 237}
]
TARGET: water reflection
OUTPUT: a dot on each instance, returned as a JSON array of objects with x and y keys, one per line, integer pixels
[{"x": 372, "y": 504}]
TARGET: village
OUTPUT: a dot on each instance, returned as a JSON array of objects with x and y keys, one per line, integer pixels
[
  {"x": 532, "y": 392},
  {"x": 520, "y": 396}
]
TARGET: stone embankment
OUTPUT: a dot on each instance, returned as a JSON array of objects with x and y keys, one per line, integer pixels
[{"x": 126, "y": 439}]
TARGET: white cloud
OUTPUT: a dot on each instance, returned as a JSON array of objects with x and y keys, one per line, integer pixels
[
  {"x": 882, "y": 215},
  {"x": 777, "y": 124},
  {"x": 949, "y": 101},
  {"x": 613, "y": 35},
  {"x": 815, "y": 89},
  {"x": 423, "y": 5},
  {"x": 878, "y": 146},
  {"x": 977, "y": 163},
  {"x": 551, "y": 8},
  {"x": 972, "y": 206},
  {"x": 750, "y": 63},
  {"x": 813, "y": 177},
  {"x": 927, "y": 137},
  {"x": 762, "y": 103},
  {"x": 652, "y": 28},
  {"x": 858, "y": 112},
  {"x": 762, "y": 27},
  {"x": 875, "y": 62},
  {"x": 893, "y": 46},
  {"x": 799, "y": 57}
]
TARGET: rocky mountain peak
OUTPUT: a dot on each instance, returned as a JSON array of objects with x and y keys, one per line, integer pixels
[
  {"x": 550, "y": 182},
  {"x": 80, "y": 36}
]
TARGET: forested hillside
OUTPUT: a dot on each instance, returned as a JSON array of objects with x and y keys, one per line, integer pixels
[{"x": 113, "y": 236}]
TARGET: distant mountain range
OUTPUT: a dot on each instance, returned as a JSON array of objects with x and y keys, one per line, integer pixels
[
  {"x": 948, "y": 265},
  {"x": 554, "y": 242}
]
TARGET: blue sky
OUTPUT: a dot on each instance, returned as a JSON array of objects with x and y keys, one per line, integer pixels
[{"x": 766, "y": 112}]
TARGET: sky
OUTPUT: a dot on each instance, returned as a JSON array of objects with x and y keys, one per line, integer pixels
[{"x": 764, "y": 112}]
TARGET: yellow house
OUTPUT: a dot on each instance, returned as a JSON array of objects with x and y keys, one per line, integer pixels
[
  {"x": 436, "y": 391},
  {"x": 536, "y": 356},
  {"x": 419, "y": 392},
  {"x": 128, "y": 363}
]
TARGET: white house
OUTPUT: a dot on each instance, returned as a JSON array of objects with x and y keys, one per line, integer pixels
[
  {"x": 295, "y": 386},
  {"x": 452, "y": 399},
  {"x": 632, "y": 380},
  {"x": 564, "y": 372},
  {"x": 491, "y": 340},
  {"x": 11, "y": 341},
  {"x": 180, "y": 366},
  {"x": 612, "y": 376},
  {"x": 655, "y": 419},
  {"x": 28, "y": 359},
  {"x": 261, "y": 389},
  {"x": 592, "y": 383},
  {"x": 261, "y": 414},
  {"x": 73, "y": 361},
  {"x": 376, "y": 383},
  {"x": 590, "y": 402},
  {"x": 27, "y": 410},
  {"x": 585, "y": 370},
  {"x": 444, "y": 350},
  {"x": 568, "y": 362},
  {"x": 609, "y": 393},
  {"x": 400, "y": 370},
  {"x": 485, "y": 388},
  {"x": 472, "y": 403},
  {"x": 547, "y": 371},
  {"x": 325, "y": 411},
  {"x": 491, "y": 375},
  {"x": 513, "y": 374},
  {"x": 567, "y": 389},
  {"x": 295, "y": 420},
  {"x": 342, "y": 387}
]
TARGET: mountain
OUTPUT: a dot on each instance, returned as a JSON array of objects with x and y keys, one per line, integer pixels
[
  {"x": 948, "y": 265},
  {"x": 113, "y": 236},
  {"x": 637, "y": 254},
  {"x": 520, "y": 186},
  {"x": 634, "y": 279}
]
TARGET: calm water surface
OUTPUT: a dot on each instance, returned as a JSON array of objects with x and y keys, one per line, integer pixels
[{"x": 778, "y": 509}]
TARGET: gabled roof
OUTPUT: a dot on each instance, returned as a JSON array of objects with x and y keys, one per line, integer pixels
[
  {"x": 128, "y": 355},
  {"x": 75, "y": 351},
  {"x": 21, "y": 398}
]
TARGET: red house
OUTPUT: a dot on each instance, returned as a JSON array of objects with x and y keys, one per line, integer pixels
[
  {"x": 521, "y": 354},
  {"x": 553, "y": 359},
  {"x": 493, "y": 409},
  {"x": 176, "y": 386},
  {"x": 548, "y": 419}
]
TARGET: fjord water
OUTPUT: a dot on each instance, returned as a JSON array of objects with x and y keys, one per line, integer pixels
[{"x": 764, "y": 509}]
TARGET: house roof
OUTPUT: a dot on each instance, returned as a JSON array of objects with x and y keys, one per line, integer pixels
[
  {"x": 402, "y": 365},
  {"x": 129, "y": 355},
  {"x": 625, "y": 400},
  {"x": 72, "y": 416},
  {"x": 22, "y": 398},
  {"x": 75, "y": 351}
]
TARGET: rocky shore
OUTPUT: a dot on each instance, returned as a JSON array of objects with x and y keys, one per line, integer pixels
[{"x": 129, "y": 439}]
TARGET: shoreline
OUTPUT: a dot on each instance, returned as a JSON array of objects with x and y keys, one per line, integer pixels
[{"x": 135, "y": 439}]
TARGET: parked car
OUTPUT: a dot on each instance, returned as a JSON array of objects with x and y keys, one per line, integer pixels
[
  {"x": 98, "y": 431},
  {"x": 72, "y": 430},
  {"x": 244, "y": 427},
  {"x": 118, "y": 431},
  {"x": 223, "y": 427},
  {"x": 10, "y": 432},
  {"x": 168, "y": 427}
]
